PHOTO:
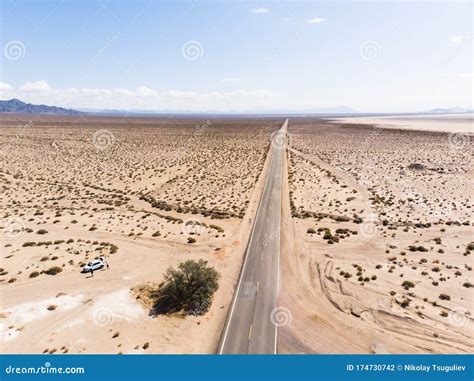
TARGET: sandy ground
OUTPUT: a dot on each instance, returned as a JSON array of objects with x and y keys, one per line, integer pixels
[
  {"x": 71, "y": 194},
  {"x": 453, "y": 123},
  {"x": 376, "y": 251},
  {"x": 376, "y": 237}
]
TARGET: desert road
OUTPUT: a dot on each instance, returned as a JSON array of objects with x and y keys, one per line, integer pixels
[{"x": 249, "y": 327}]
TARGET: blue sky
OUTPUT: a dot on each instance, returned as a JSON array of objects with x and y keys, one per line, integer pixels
[{"x": 202, "y": 55}]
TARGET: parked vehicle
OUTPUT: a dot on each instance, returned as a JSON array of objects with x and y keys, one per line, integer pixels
[{"x": 95, "y": 265}]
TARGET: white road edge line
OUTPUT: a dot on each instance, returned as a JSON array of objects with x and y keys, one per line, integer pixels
[{"x": 279, "y": 251}]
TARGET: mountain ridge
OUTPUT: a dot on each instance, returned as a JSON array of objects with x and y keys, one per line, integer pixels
[{"x": 15, "y": 106}]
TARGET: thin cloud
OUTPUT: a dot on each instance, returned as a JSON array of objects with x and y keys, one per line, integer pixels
[
  {"x": 141, "y": 98},
  {"x": 231, "y": 80},
  {"x": 460, "y": 39},
  {"x": 316, "y": 20},
  {"x": 260, "y": 10},
  {"x": 36, "y": 87},
  {"x": 5, "y": 86}
]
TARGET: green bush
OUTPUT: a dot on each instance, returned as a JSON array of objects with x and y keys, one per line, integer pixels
[{"x": 189, "y": 289}]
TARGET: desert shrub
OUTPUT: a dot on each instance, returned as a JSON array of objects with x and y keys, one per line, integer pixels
[
  {"x": 34, "y": 274},
  {"x": 188, "y": 289},
  {"x": 191, "y": 240},
  {"x": 405, "y": 303},
  {"x": 218, "y": 228},
  {"x": 310, "y": 231},
  {"x": 444, "y": 297},
  {"x": 417, "y": 248},
  {"x": 42, "y": 231},
  {"x": 408, "y": 284},
  {"x": 27, "y": 244},
  {"x": 53, "y": 270}
]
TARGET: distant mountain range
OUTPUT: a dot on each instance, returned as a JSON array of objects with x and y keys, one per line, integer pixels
[
  {"x": 452, "y": 110},
  {"x": 327, "y": 110},
  {"x": 15, "y": 106}
]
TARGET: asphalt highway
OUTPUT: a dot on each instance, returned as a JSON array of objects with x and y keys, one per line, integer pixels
[{"x": 249, "y": 327}]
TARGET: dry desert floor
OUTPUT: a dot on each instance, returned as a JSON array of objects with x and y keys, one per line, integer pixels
[
  {"x": 376, "y": 235},
  {"x": 378, "y": 240},
  {"x": 146, "y": 194}
]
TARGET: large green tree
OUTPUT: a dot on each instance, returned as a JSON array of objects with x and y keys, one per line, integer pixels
[{"x": 188, "y": 289}]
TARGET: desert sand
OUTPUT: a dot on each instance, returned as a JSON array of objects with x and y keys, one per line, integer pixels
[
  {"x": 376, "y": 234},
  {"x": 451, "y": 123},
  {"x": 377, "y": 242},
  {"x": 134, "y": 190}
]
